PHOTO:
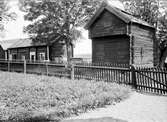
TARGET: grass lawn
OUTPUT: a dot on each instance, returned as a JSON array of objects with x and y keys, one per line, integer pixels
[{"x": 41, "y": 98}]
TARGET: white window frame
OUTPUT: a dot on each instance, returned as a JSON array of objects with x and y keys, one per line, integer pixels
[
  {"x": 42, "y": 56},
  {"x": 32, "y": 54}
]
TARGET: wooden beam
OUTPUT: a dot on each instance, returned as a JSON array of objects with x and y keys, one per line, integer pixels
[
  {"x": 48, "y": 55},
  {"x": 6, "y": 54},
  {"x": 36, "y": 53}
]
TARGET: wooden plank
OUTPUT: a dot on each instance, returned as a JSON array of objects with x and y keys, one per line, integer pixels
[
  {"x": 163, "y": 81},
  {"x": 107, "y": 24}
]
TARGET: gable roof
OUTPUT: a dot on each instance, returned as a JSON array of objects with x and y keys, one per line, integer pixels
[
  {"x": 5, "y": 44},
  {"x": 123, "y": 15},
  {"x": 18, "y": 43},
  {"x": 25, "y": 43}
]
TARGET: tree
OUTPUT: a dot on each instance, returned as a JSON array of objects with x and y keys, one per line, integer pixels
[
  {"x": 55, "y": 19},
  {"x": 162, "y": 36},
  {"x": 149, "y": 10},
  {"x": 5, "y": 15}
]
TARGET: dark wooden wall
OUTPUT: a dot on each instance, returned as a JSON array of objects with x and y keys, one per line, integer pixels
[
  {"x": 143, "y": 40},
  {"x": 106, "y": 25},
  {"x": 41, "y": 50},
  {"x": 112, "y": 49},
  {"x": 114, "y": 41},
  {"x": 2, "y": 53},
  {"x": 57, "y": 50},
  {"x": 25, "y": 51}
]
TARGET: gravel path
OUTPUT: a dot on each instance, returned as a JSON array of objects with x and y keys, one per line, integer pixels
[{"x": 138, "y": 108}]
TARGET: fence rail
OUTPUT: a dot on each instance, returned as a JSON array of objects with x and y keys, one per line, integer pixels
[
  {"x": 43, "y": 68},
  {"x": 141, "y": 78},
  {"x": 120, "y": 75}
]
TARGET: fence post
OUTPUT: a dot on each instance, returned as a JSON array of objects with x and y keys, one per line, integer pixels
[
  {"x": 47, "y": 70},
  {"x": 25, "y": 66},
  {"x": 8, "y": 65},
  {"x": 72, "y": 72},
  {"x": 134, "y": 83}
]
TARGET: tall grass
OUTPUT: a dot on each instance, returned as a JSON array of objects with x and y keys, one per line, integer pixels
[{"x": 32, "y": 97}]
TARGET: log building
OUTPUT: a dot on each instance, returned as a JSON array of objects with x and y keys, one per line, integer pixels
[
  {"x": 119, "y": 37},
  {"x": 21, "y": 49}
]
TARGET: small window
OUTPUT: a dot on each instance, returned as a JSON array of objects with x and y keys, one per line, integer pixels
[
  {"x": 141, "y": 53},
  {"x": 10, "y": 56},
  {"x": 14, "y": 56},
  {"x": 32, "y": 56},
  {"x": 42, "y": 56}
]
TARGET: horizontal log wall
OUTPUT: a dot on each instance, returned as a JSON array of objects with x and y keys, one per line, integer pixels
[
  {"x": 41, "y": 50},
  {"x": 107, "y": 25},
  {"x": 22, "y": 52},
  {"x": 2, "y": 53},
  {"x": 57, "y": 50},
  {"x": 143, "y": 40},
  {"x": 111, "y": 50}
]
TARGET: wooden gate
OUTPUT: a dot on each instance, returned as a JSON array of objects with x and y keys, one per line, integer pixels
[{"x": 150, "y": 79}]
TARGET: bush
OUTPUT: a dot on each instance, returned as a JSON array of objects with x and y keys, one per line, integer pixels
[{"x": 42, "y": 98}]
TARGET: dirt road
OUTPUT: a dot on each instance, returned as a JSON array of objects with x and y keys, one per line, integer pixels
[{"x": 137, "y": 108}]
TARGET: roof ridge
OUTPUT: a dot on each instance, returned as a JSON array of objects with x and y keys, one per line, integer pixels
[{"x": 123, "y": 15}]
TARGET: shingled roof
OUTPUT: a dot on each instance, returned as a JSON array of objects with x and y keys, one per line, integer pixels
[{"x": 123, "y": 15}]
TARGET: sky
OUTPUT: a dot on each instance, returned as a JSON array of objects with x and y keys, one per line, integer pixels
[{"x": 14, "y": 29}]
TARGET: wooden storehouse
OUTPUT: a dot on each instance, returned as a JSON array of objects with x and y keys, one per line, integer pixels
[
  {"x": 119, "y": 37},
  {"x": 22, "y": 49}
]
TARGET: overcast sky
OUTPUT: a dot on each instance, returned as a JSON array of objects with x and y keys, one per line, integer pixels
[{"x": 14, "y": 29}]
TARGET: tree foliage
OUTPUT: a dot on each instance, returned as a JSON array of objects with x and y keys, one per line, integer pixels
[
  {"x": 163, "y": 28},
  {"x": 57, "y": 18},
  {"x": 162, "y": 37},
  {"x": 147, "y": 10},
  {"x": 3, "y": 13}
]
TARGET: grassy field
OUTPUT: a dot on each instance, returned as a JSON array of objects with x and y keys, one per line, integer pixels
[{"x": 42, "y": 98}]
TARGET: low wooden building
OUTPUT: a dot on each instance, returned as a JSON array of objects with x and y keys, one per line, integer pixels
[
  {"x": 25, "y": 49},
  {"x": 119, "y": 37}
]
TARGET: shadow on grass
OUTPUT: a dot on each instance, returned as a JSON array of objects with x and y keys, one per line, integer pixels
[
  {"x": 104, "y": 119},
  {"x": 35, "y": 119}
]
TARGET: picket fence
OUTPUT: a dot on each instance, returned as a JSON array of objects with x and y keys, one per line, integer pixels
[{"x": 148, "y": 79}]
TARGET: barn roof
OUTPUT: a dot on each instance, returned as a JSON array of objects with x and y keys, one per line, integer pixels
[
  {"x": 123, "y": 15},
  {"x": 5, "y": 44},
  {"x": 19, "y": 43},
  {"x": 25, "y": 43}
]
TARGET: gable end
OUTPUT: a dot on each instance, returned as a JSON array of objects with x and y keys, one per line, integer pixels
[{"x": 107, "y": 24}]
